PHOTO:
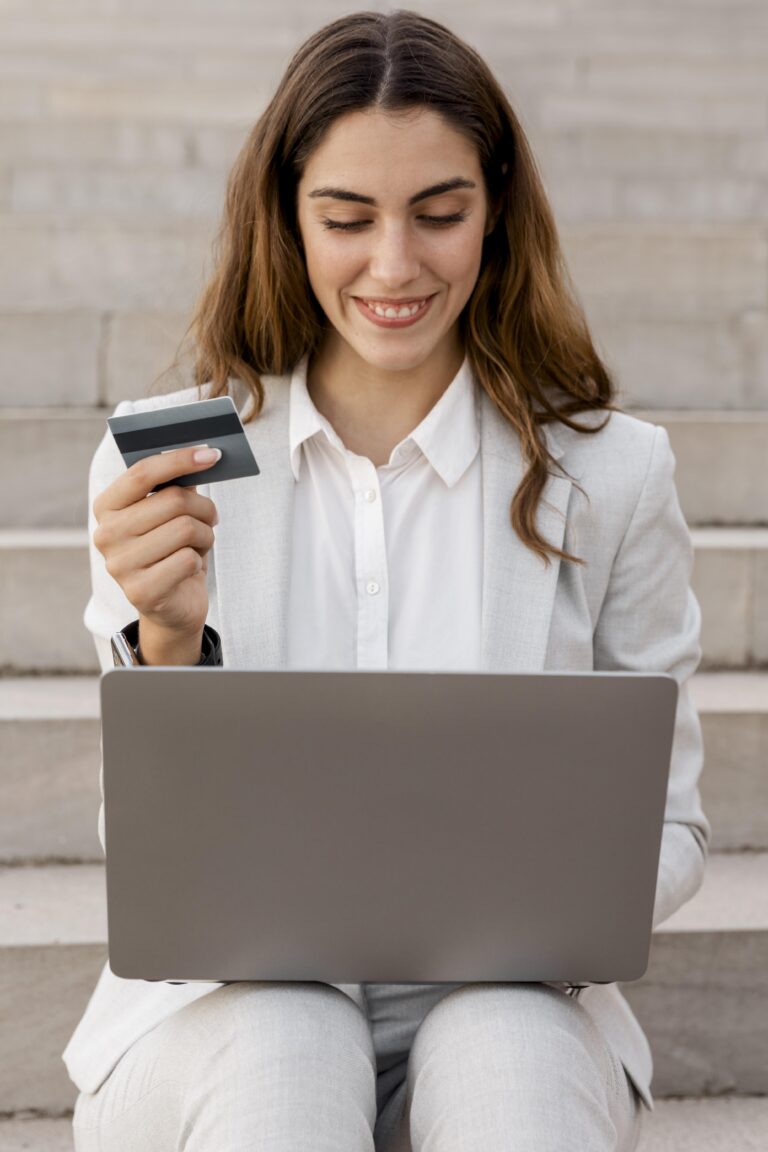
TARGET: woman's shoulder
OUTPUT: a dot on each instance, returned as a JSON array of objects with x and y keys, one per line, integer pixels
[
  {"x": 274, "y": 389},
  {"x": 187, "y": 395},
  {"x": 620, "y": 441},
  {"x": 616, "y": 463}
]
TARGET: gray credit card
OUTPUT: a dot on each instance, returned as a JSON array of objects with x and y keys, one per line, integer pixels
[{"x": 212, "y": 423}]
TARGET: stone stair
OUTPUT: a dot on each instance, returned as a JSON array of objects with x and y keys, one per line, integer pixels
[
  {"x": 118, "y": 123},
  {"x": 737, "y": 1124}
]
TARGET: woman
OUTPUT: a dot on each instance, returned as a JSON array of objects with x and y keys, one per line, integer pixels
[{"x": 416, "y": 508}]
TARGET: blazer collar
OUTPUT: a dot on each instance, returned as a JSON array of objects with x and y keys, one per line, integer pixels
[{"x": 253, "y": 543}]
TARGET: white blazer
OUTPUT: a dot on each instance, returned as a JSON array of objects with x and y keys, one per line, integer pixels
[{"x": 630, "y": 608}]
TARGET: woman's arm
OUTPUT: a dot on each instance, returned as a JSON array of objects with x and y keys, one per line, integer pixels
[
  {"x": 108, "y": 610},
  {"x": 650, "y": 621}
]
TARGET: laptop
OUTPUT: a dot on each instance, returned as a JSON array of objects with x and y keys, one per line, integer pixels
[{"x": 376, "y": 826}]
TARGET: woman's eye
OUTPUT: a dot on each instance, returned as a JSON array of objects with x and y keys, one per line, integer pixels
[{"x": 437, "y": 221}]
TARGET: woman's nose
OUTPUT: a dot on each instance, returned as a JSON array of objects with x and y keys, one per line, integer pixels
[{"x": 394, "y": 257}]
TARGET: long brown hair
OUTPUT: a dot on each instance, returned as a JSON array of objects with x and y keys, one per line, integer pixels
[{"x": 524, "y": 334}]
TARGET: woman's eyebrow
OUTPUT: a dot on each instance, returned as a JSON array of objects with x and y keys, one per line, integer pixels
[{"x": 433, "y": 190}]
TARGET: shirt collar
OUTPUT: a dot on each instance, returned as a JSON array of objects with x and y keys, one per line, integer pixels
[{"x": 449, "y": 435}]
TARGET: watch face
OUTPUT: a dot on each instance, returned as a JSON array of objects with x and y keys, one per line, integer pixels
[{"x": 123, "y": 655}]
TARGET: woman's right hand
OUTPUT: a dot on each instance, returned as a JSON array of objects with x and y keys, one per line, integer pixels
[{"x": 157, "y": 549}]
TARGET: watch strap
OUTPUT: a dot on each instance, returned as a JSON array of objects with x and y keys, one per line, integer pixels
[{"x": 210, "y": 655}]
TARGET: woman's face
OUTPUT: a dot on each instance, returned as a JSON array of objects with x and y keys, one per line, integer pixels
[{"x": 394, "y": 250}]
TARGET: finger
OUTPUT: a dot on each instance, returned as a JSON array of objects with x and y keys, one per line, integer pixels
[
  {"x": 142, "y": 552},
  {"x": 149, "y": 587},
  {"x": 161, "y": 508},
  {"x": 139, "y": 480}
]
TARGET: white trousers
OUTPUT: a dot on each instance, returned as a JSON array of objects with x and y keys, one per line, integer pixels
[{"x": 297, "y": 1067}]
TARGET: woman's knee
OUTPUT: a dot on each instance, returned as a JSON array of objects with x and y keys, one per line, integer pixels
[
  {"x": 526, "y": 1026},
  {"x": 513, "y": 1008},
  {"x": 239, "y": 1063},
  {"x": 493, "y": 1057},
  {"x": 282, "y": 1019}
]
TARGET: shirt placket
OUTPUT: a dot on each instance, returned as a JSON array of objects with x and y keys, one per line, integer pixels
[{"x": 371, "y": 575}]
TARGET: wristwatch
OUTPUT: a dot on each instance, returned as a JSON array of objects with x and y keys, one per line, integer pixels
[{"x": 125, "y": 648}]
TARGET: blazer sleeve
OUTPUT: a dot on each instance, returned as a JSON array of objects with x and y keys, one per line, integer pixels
[
  {"x": 108, "y": 610},
  {"x": 650, "y": 621}
]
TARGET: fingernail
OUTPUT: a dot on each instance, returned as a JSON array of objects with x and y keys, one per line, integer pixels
[{"x": 206, "y": 455}]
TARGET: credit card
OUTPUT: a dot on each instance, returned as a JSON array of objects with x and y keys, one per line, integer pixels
[{"x": 211, "y": 423}]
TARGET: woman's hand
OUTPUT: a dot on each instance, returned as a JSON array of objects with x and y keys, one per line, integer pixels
[{"x": 157, "y": 549}]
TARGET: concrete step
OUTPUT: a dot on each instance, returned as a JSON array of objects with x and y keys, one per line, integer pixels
[
  {"x": 639, "y": 152},
  {"x": 37, "y": 443},
  {"x": 73, "y": 144},
  {"x": 685, "y": 273},
  {"x": 49, "y": 748},
  {"x": 730, "y": 580},
  {"x": 43, "y": 635},
  {"x": 189, "y": 192},
  {"x": 733, "y": 708},
  {"x": 34, "y": 1134},
  {"x": 198, "y": 193},
  {"x": 585, "y": 28},
  {"x": 80, "y": 360},
  {"x": 122, "y": 52},
  {"x": 102, "y": 264},
  {"x": 730, "y": 1124},
  {"x": 52, "y": 948},
  {"x": 719, "y": 363},
  {"x": 681, "y": 367},
  {"x": 81, "y": 356},
  {"x": 103, "y": 59},
  {"x": 738, "y": 442},
  {"x": 591, "y": 198},
  {"x": 677, "y": 271},
  {"x": 701, "y": 1001},
  {"x": 554, "y": 88}
]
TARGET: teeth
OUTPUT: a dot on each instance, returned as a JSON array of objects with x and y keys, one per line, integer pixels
[{"x": 390, "y": 312}]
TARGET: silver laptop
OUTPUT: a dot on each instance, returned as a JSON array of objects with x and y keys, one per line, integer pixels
[{"x": 383, "y": 826}]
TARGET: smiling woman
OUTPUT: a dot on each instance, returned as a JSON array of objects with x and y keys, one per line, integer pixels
[{"x": 390, "y": 294}]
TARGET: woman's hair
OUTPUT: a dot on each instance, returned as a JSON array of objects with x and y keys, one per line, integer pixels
[{"x": 525, "y": 336}]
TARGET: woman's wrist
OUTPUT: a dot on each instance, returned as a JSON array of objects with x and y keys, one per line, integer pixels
[{"x": 164, "y": 646}]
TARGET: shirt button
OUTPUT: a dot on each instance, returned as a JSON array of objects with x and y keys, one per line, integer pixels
[
  {"x": 370, "y": 495},
  {"x": 372, "y": 587}
]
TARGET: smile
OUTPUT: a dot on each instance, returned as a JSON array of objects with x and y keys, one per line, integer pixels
[{"x": 392, "y": 316}]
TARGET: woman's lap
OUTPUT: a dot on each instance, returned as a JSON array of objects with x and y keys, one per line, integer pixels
[
  {"x": 200, "y": 1079},
  {"x": 509, "y": 1066},
  {"x": 289, "y": 1066}
]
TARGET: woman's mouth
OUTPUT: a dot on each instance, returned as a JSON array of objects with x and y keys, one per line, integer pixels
[{"x": 391, "y": 315}]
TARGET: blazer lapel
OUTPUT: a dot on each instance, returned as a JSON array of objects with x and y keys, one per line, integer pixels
[
  {"x": 253, "y": 539},
  {"x": 518, "y": 590},
  {"x": 253, "y": 543}
]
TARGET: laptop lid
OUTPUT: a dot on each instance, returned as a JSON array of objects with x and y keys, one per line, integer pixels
[{"x": 383, "y": 826}]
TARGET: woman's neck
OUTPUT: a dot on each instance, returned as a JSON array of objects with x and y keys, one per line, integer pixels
[{"x": 372, "y": 409}]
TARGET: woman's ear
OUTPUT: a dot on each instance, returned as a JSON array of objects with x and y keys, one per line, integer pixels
[
  {"x": 491, "y": 222},
  {"x": 493, "y": 214}
]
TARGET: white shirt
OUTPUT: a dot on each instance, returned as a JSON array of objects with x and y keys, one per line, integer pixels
[{"x": 386, "y": 568}]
